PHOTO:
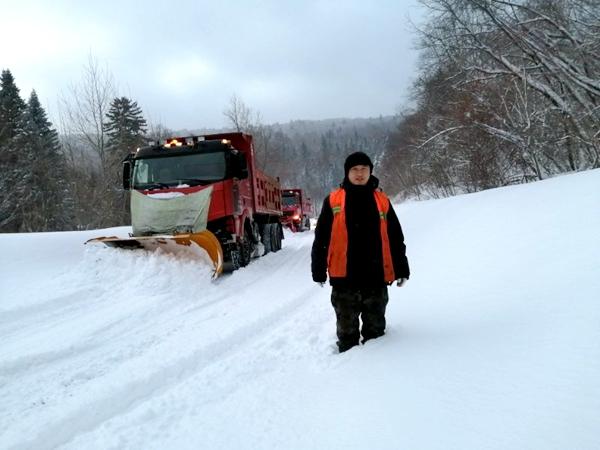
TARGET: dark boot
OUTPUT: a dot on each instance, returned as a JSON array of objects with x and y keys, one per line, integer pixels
[
  {"x": 346, "y": 304},
  {"x": 346, "y": 345},
  {"x": 373, "y": 305}
]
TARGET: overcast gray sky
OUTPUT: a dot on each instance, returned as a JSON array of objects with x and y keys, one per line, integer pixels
[{"x": 183, "y": 60}]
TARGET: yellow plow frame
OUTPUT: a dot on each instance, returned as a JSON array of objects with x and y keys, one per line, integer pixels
[{"x": 198, "y": 244}]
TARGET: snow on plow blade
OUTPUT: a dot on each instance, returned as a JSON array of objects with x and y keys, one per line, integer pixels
[{"x": 198, "y": 244}]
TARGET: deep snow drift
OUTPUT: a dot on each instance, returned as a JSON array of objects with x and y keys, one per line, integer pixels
[{"x": 494, "y": 343}]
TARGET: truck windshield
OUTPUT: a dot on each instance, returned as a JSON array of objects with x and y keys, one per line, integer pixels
[
  {"x": 192, "y": 169},
  {"x": 290, "y": 200}
]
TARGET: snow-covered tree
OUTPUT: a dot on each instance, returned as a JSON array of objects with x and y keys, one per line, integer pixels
[
  {"x": 34, "y": 193},
  {"x": 48, "y": 205},
  {"x": 12, "y": 107},
  {"x": 247, "y": 120},
  {"x": 82, "y": 112},
  {"x": 508, "y": 91},
  {"x": 125, "y": 128},
  {"x": 13, "y": 173}
]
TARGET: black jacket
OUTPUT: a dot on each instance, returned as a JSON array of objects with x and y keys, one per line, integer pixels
[{"x": 365, "y": 260}]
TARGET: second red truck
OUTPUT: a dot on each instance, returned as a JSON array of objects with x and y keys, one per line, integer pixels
[{"x": 297, "y": 209}]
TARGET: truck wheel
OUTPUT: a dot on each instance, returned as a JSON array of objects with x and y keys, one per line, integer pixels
[
  {"x": 275, "y": 238},
  {"x": 266, "y": 237},
  {"x": 256, "y": 241},
  {"x": 246, "y": 249},
  {"x": 280, "y": 236},
  {"x": 231, "y": 256}
]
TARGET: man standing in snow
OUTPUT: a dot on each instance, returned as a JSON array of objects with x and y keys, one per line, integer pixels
[{"x": 359, "y": 242}]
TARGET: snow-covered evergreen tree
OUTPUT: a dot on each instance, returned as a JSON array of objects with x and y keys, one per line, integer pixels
[
  {"x": 49, "y": 205},
  {"x": 13, "y": 163},
  {"x": 34, "y": 194},
  {"x": 12, "y": 107},
  {"x": 125, "y": 128}
]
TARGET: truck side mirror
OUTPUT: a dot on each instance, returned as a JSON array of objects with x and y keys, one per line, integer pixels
[{"x": 127, "y": 169}]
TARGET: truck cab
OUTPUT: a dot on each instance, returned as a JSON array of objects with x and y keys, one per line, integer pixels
[
  {"x": 297, "y": 210},
  {"x": 244, "y": 207}
]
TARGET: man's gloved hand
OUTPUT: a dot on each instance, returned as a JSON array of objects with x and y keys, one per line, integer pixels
[
  {"x": 401, "y": 282},
  {"x": 320, "y": 278}
]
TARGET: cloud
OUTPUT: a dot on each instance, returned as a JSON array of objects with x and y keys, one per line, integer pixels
[
  {"x": 179, "y": 74},
  {"x": 183, "y": 60},
  {"x": 37, "y": 37}
]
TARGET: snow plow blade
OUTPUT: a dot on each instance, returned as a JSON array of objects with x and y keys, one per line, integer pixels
[{"x": 191, "y": 243}]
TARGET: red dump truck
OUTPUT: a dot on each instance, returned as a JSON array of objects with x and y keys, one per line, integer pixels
[
  {"x": 202, "y": 192},
  {"x": 297, "y": 209}
]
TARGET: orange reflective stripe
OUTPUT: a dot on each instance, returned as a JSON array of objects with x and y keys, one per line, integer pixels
[
  {"x": 338, "y": 244},
  {"x": 337, "y": 257},
  {"x": 383, "y": 206}
]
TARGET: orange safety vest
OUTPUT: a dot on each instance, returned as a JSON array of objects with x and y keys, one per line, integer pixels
[{"x": 337, "y": 257}]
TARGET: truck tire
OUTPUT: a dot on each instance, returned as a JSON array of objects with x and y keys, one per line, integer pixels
[
  {"x": 266, "y": 237},
  {"x": 231, "y": 255},
  {"x": 259, "y": 249},
  {"x": 275, "y": 238},
  {"x": 245, "y": 250},
  {"x": 279, "y": 236}
]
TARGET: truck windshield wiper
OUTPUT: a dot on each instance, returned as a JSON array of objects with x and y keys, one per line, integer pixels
[
  {"x": 196, "y": 181},
  {"x": 154, "y": 185}
]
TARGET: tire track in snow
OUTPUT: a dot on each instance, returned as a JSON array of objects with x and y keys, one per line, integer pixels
[
  {"x": 52, "y": 376},
  {"x": 115, "y": 330},
  {"x": 41, "y": 322},
  {"x": 88, "y": 416},
  {"x": 84, "y": 361}
]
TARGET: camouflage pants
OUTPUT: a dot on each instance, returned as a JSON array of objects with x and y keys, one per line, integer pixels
[{"x": 369, "y": 304}]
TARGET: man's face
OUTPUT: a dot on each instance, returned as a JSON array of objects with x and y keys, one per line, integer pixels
[{"x": 359, "y": 175}]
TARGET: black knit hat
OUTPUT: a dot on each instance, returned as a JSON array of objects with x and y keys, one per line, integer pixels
[{"x": 357, "y": 159}]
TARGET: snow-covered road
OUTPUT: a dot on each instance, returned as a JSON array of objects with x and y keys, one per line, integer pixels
[{"x": 494, "y": 342}]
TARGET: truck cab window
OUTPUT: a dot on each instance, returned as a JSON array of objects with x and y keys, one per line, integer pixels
[
  {"x": 289, "y": 200},
  {"x": 192, "y": 169}
]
